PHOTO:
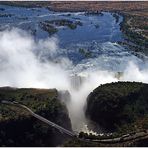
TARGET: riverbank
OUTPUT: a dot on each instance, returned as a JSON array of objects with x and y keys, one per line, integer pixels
[{"x": 135, "y": 29}]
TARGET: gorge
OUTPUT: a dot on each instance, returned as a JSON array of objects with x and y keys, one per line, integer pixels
[{"x": 70, "y": 52}]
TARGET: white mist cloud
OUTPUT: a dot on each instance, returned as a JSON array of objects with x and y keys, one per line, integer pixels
[
  {"x": 134, "y": 73},
  {"x": 47, "y": 47},
  {"x": 21, "y": 67},
  {"x": 25, "y": 62}
]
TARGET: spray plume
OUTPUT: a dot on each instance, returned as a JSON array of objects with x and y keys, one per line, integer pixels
[{"x": 25, "y": 62}]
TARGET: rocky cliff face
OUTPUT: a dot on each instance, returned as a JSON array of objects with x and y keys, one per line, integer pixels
[
  {"x": 121, "y": 106},
  {"x": 19, "y": 128}
]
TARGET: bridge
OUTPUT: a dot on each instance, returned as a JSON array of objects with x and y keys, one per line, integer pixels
[
  {"x": 58, "y": 127},
  {"x": 118, "y": 140}
]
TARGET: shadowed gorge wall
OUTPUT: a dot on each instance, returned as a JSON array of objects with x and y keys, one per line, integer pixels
[{"x": 19, "y": 128}]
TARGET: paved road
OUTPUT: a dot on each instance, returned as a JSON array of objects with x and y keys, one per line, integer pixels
[{"x": 61, "y": 129}]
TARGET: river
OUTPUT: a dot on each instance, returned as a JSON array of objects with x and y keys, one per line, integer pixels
[
  {"x": 89, "y": 53},
  {"x": 94, "y": 45}
]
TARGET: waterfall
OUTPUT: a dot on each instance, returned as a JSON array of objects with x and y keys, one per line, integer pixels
[{"x": 76, "y": 81}]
